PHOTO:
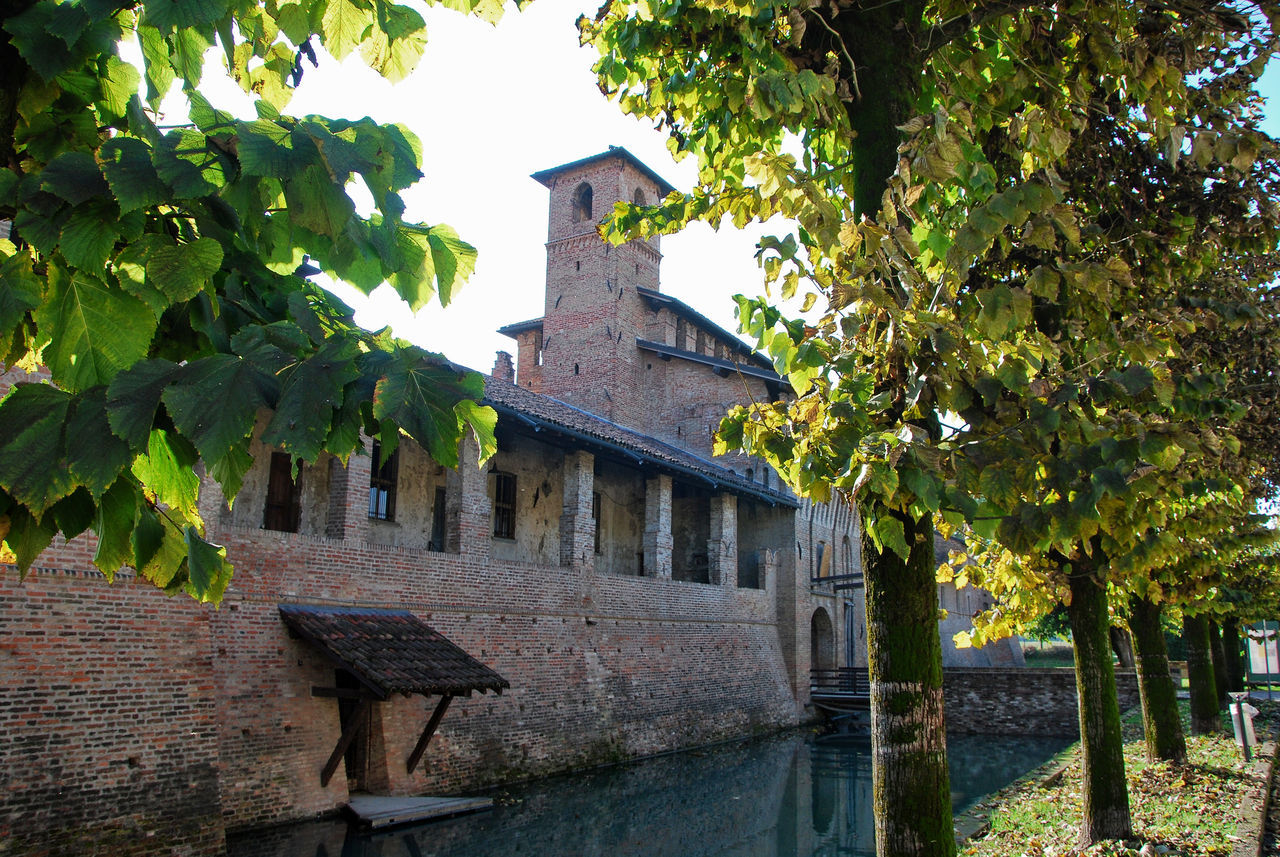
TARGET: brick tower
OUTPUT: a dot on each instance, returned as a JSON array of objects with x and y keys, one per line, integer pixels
[{"x": 583, "y": 350}]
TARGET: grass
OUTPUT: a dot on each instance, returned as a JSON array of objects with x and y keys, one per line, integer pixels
[{"x": 1180, "y": 811}]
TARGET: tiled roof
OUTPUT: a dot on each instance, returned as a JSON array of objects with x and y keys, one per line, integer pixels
[
  {"x": 390, "y": 651},
  {"x": 545, "y": 176},
  {"x": 543, "y": 413},
  {"x": 659, "y": 299}
]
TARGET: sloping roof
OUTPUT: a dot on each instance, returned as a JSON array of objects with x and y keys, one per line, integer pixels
[
  {"x": 658, "y": 299},
  {"x": 390, "y": 651},
  {"x": 545, "y": 414},
  {"x": 544, "y": 176},
  {"x": 518, "y": 327}
]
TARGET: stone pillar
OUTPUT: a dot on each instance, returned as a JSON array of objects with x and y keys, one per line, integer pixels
[
  {"x": 348, "y": 516},
  {"x": 577, "y": 526},
  {"x": 722, "y": 547},
  {"x": 468, "y": 508},
  {"x": 657, "y": 527}
]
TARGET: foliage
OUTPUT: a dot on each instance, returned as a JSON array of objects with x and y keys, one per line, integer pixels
[{"x": 152, "y": 271}]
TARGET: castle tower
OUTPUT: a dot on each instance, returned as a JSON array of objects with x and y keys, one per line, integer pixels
[{"x": 583, "y": 349}]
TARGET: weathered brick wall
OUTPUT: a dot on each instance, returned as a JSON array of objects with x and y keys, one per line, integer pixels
[
  {"x": 107, "y": 714},
  {"x": 1021, "y": 700},
  {"x": 602, "y": 667}
]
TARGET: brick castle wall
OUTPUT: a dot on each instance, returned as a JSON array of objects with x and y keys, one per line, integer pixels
[{"x": 1020, "y": 700}]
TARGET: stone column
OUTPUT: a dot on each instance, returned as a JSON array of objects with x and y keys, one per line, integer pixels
[
  {"x": 722, "y": 547},
  {"x": 577, "y": 526},
  {"x": 657, "y": 527},
  {"x": 348, "y": 516},
  {"x": 468, "y": 508}
]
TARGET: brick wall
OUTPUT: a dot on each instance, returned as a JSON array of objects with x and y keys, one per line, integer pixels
[
  {"x": 1021, "y": 700},
  {"x": 108, "y": 715}
]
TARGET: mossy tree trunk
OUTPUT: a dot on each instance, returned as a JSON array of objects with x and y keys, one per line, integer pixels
[
  {"x": 1106, "y": 794},
  {"x": 1204, "y": 692},
  {"x": 1219, "y": 658},
  {"x": 1232, "y": 655},
  {"x": 1161, "y": 722},
  {"x": 911, "y": 785}
]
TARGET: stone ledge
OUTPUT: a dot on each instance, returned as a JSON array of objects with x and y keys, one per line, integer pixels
[{"x": 1251, "y": 825}]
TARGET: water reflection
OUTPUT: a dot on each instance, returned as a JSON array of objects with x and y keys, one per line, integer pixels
[{"x": 787, "y": 796}]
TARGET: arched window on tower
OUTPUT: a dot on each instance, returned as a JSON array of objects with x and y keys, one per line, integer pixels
[{"x": 582, "y": 203}]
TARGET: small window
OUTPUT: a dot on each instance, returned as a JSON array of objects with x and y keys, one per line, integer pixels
[
  {"x": 382, "y": 485},
  {"x": 638, "y": 197},
  {"x": 701, "y": 341},
  {"x": 504, "y": 505},
  {"x": 681, "y": 336},
  {"x": 284, "y": 496},
  {"x": 582, "y": 203},
  {"x": 848, "y": 555},
  {"x": 595, "y": 516},
  {"x": 437, "y": 522}
]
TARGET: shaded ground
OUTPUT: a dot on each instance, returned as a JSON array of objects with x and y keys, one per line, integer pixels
[{"x": 1186, "y": 811}]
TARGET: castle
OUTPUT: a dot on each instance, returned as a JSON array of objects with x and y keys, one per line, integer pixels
[{"x": 608, "y": 588}]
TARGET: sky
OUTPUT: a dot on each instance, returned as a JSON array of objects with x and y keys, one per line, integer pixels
[{"x": 492, "y": 105}]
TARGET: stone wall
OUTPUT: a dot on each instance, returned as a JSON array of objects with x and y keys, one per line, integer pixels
[{"x": 1021, "y": 701}]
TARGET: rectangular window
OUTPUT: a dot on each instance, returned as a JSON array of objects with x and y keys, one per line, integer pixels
[
  {"x": 437, "y": 522},
  {"x": 283, "y": 509},
  {"x": 504, "y": 505},
  {"x": 382, "y": 484},
  {"x": 595, "y": 516}
]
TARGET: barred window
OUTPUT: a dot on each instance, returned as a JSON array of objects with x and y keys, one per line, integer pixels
[
  {"x": 504, "y": 505},
  {"x": 382, "y": 484}
]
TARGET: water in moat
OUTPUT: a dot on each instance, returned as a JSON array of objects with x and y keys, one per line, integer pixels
[{"x": 791, "y": 795}]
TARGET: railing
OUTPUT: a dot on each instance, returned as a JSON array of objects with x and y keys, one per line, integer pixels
[{"x": 844, "y": 680}]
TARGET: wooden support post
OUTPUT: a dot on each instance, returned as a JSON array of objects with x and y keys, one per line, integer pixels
[
  {"x": 432, "y": 724},
  {"x": 348, "y": 735}
]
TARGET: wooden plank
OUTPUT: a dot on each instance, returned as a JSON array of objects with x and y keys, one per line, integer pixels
[
  {"x": 432, "y": 724},
  {"x": 348, "y": 735},
  {"x": 377, "y": 811}
]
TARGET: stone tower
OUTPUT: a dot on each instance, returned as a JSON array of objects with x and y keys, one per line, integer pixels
[{"x": 583, "y": 349}]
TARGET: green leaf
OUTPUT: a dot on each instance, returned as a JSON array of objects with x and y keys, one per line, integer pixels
[
  {"x": 118, "y": 84},
  {"x": 134, "y": 396},
  {"x": 343, "y": 26},
  {"x": 117, "y": 511},
  {"x": 181, "y": 271},
  {"x": 126, "y": 163},
  {"x": 96, "y": 331},
  {"x": 170, "y": 15},
  {"x": 94, "y": 456},
  {"x": 74, "y": 176},
  {"x": 32, "y": 468},
  {"x": 419, "y": 396},
  {"x": 155, "y": 55},
  {"x": 265, "y": 148},
  {"x": 183, "y": 160},
  {"x": 310, "y": 394},
  {"x": 215, "y": 400},
  {"x": 997, "y": 485},
  {"x": 891, "y": 534},
  {"x": 454, "y": 260},
  {"x": 27, "y": 536},
  {"x": 316, "y": 203},
  {"x": 89, "y": 236},
  {"x": 167, "y": 473},
  {"x": 207, "y": 568}
]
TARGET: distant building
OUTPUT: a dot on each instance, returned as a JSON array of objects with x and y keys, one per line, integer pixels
[{"x": 625, "y": 593}]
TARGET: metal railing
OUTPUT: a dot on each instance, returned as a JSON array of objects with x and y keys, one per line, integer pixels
[{"x": 843, "y": 680}]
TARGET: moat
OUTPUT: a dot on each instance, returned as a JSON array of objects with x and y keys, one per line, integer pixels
[{"x": 791, "y": 795}]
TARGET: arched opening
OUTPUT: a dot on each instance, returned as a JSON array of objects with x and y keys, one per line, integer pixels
[
  {"x": 582, "y": 203},
  {"x": 638, "y": 197},
  {"x": 822, "y": 644}
]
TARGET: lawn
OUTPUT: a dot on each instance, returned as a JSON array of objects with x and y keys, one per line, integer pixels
[{"x": 1187, "y": 811}]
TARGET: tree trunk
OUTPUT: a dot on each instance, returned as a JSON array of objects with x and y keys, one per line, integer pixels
[
  {"x": 1232, "y": 655},
  {"x": 1219, "y": 663},
  {"x": 1106, "y": 795},
  {"x": 911, "y": 785},
  {"x": 1161, "y": 722},
  {"x": 1122, "y": 645},
  {"x": 1204, "y": 693}
]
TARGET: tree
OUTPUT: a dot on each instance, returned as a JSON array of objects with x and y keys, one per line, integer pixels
[
  {"x": 152, "y": 271},
  {"x": 960, "y": 271}
]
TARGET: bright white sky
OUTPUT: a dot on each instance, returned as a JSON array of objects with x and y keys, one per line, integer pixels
[{"x": 492, "y": 105}]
